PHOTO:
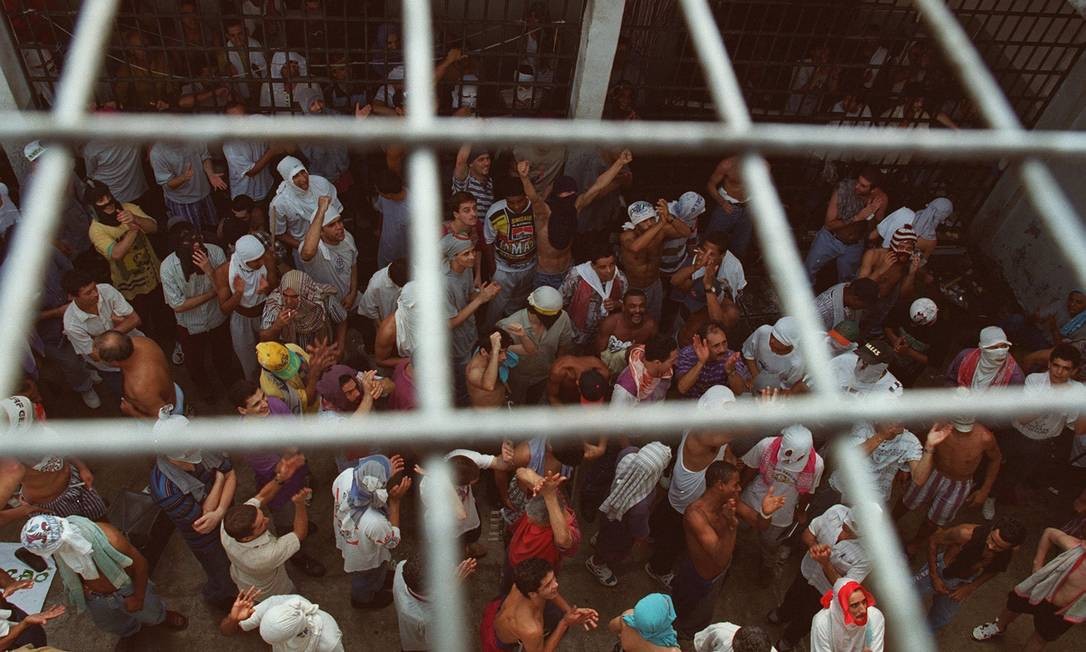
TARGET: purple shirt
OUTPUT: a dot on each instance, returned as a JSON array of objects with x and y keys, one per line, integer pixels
[
  {"x": 263, "y": 465},
  {"x": 712, "y": 373}
]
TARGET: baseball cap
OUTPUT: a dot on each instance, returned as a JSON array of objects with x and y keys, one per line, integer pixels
[
  {"x": 593, "y": 387},
  {"x": 991, "y": 336},
  {"x": 639, "y": 211},
  {"x": 33, "y": 150},
  {"x": 875, "y": 352},
  {"x": 923, "y": 311},
  {"x": 546, "y": 300},
  {"x": 278, "y": 359}
]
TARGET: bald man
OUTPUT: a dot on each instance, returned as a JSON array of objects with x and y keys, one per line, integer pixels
[{"x": 148, "y": 386}]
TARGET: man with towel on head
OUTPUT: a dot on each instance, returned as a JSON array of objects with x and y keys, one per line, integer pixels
[
  {"x": 330, "y": 255},
  {"x": 988, "y": 365},
  {"x": 647, "y": 627},
  {"x": 243, "y": 285},
  {"x": 102, "y": 573},
  {"x": 295, "y": 203},
  {"x": 289, "y": 623},
  {"x": 772, "y": 359}
]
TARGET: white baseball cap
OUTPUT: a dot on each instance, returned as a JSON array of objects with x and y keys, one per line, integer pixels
[
  {"x": 923, "y": 311},
  {"x": 33, "y": 150}
]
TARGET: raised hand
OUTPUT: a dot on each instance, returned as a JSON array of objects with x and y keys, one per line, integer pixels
[
  {"x": 489, "y": 291},
  {"x": 43, "y": 617},
  {"x": 362, "y": 112},
  {"x": 242, "y": 608},
  {"x": 771, "y": 503},
  {"x": 289, "y": 465},
  {"x": 202, "y": 262},
  {"x": 399, "y": 490},
  {"x": 396, "y": 461},
  {"x": 507, "y": 451},
  {"x": 516, "y": 330},
  {"x": 551, "y": 483},
  {"x": 624, "y": 157},
  {"x": 701, "y": 349},
  {"x": 523, "y": 168},
  {"x": 938, "y": 434},
  {"x": 323, "y": 202},
  {"x": 466, "y": 568},
  {"x": 302, "y": 496},
  {"x": 17, "y": 586},
  {"x": 768, "y": 395}
]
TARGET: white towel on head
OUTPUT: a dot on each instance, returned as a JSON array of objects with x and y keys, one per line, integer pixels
[
  {"x": 248, "y": 247},
  {"x": 635, "y": 477},
  {"x": 405, "y": 320}
]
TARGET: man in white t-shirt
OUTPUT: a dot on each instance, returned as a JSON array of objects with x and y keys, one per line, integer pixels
[
  {"x": 1029, "y": 443},
  {"x": 772, "y": 359},
  {"x": 726, "y": 637},
  {"x": 867, "y": 371},
  {"x": 257, "y": 557},
  {"x": 889, "y": 449},
  {"x": 414, "y": 614},
  {"x": 789, "y": 465},
  {"x": 466, "y": 465}
]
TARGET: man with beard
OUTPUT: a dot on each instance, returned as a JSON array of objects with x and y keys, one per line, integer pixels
[
  {"x": 855, "y": 205},
  {"x": 202, "y": 330},
  {"x": 624, "y": 329},
  {"x": 554, "y": 238}
]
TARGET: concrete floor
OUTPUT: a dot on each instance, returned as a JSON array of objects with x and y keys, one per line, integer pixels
[{"x": 744, "y": 600}]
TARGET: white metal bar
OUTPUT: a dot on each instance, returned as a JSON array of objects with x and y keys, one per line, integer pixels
[
  {"x": 445, "y": 590},
  {"x": 449, "y": 132},
  {"x": 119, "y": 437},
  {"x": 600, "y": 28},
  {"x": 1052, "y": 205},
  {"x": 22, "y": 279}
]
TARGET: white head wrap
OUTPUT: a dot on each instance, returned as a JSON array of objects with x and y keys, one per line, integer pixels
[
  {"x": 639, "y": 211},
  {"x": 715, "y": 398},
  {"x": 796, "y": 445},
  {"x": 786, "y": 330},
  {"x": 248, "y": 247},
  {"x": 929, "y": 218},
  {"x": 46, "y": 535},
  {"x": 687, "y": 207},
  {"x": 405, "y": 320}
]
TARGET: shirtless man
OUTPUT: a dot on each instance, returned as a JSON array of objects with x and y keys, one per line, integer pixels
[
  {"x": 958, "y": 452},
  {"x": 730, "y": 217},
  {"x": 642, "y": 242},
  {"x": 563, "y": 386},
  {"x": 646, "y": 627},
  {"x": 486, "y": 387},
  {"x": 628, "y": 327},
  {"x": 92, "y": 576},
  {"x": 710, "y": 524},
  {"x": 894, "y": 265},
  {"x": 1053, "y": 594},
  {"x": 145, "y": 371},
  {"x": 50, "y": 485},
  {"x": 855, "y": 206},
  {"x": 520, "y": 616},
  {"x": 555, "y": 235}
]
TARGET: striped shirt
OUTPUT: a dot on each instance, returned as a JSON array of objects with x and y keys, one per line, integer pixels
[
  {"x": 483, "y": 192},
  {"x": 177, "y": 290},
  {"x": 182, "y": 508}
]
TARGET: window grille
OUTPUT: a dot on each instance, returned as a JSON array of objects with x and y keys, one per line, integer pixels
[{"x": 67, "y": 123}]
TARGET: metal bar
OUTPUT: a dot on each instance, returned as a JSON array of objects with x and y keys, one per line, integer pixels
[
  {"x": 600, "y": 28},
  {"x": 1052, "y": 205},
  {"x": 22, "y": 282},
  {"x": 719, "y": 74},
  {"x": 442, "y": 558},
  {"x": 447, "y": 132},
  {"x": 118, "y": 437}
]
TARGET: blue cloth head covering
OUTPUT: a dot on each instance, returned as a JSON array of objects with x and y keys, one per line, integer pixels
[
  {"x": 1076, "y": 321},
  {"x": 369, "y": 487},
  {"x": 511, "y": 360},
  {"x": 652, "y": 617}
]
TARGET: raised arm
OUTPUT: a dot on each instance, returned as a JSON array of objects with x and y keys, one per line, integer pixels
[{"x": 604, "y": 181}]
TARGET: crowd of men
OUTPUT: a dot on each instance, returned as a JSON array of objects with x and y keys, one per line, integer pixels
[{"x": 247, "y": 265}]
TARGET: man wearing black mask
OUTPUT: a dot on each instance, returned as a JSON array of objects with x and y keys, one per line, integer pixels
[{"x": 202, "y": 330}]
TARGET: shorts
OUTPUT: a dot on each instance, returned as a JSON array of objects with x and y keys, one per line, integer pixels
[
  {"x": 946, "y": 496},
  {"x": 76, "y": 500},
  {"x": 1048, "y": 624}
]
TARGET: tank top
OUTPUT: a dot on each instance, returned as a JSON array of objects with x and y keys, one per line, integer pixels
[{"x": 687, "y": 486}]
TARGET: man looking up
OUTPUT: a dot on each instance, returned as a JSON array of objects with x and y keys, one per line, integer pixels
[
  {"x": 624, "y": 329},
  {"x": 854, "y": 207},
  {"x": 642, "y": 243}
]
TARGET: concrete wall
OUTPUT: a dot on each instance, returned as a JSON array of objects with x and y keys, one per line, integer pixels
[{"x": 1007, "y": 227}]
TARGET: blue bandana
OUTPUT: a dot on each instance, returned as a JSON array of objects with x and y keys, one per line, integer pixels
[
  {"x": 511, "y": 360},
  {"x": 652, "y": 618}
]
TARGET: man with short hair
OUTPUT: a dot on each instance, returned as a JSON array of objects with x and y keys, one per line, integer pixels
[
  {"x": 257, "y": 557},
  {"x": 708, "y": 361},
  {"x": 729, "y": 637},
  {"x": 102, "y": 573},
  {"x": 510, "y": 229},
  {"x": 591, "y": 291},
  {"x": 542, "y": 332},
  {"x": 648, "y": 372},
  {"x": 411, "y": 597},
  {"x": 465, "y": 223},
  {"x": 708, "y": 285},
  {"x": 187, "y": 177},
  {"x": 854, "y": 207},
  {"x": 471, "y": 174},
  {"x": 846, "y": 301},
  {"x": 1055, "y": 594},
  {"x": 642, "y": 244},
  {"x": 1031, "y": 440},
  {"x": 194, "y": 488},
  {"x": 245, "y": 58},
  {"x": 958, "y": 453},
  {"x": 382, "y": 291},
  {"x": 961, "y": 559},
  {"x": 519, "y": 617},
  {"x": 148, "y": 387},
  {"x": 834, "y": 551},
  {"x": 94, "y": 309},
  {"x": 623, "y": 329},
  {"x": 577, "y": 379},
  {"x": 329, "y": 254},
  {"x": 710, "y": 524}
]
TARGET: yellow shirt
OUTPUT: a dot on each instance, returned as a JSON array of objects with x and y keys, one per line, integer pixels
[{"x": 137, "y": 272}]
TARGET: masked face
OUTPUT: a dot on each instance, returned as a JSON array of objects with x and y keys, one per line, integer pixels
[
  {"x": 869, "y": 373},
  {"x": 997, "y": 353}
]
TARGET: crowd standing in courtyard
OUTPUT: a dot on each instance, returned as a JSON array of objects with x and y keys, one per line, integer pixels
[{"x": 252, "y": 267}]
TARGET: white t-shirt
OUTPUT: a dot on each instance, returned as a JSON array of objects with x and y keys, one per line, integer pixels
[
  {"x": 1045, "y": 426},
  {"x": 368, "y": 545},
  {"x": 716, "y": 638},
  {"x": 787, "y": 369},
  {"x": 848, "y": 557},
  {"x": 260, "y": 562},
  {"x": 730, "y": 276},
  {"x": 843, "y": 367},
  {"x": 822, "y": 632},
  {"x": 81, "y": 327},
  {"x": 784, "y": 484},
  {"x": 412, "y": 615},
  {"x": 885, "y": 461},
  {"x": 463, "y": 494},
  {"x": 331, "y": 638}
]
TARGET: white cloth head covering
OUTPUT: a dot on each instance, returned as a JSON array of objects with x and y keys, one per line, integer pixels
[
  {"x": 847, "y": 636},
  {"x": 639, "y": 211},
  {"x": 786, "y": 330},
  {"x": 296, "y": 618},
  {"x": 929, "y": 218},
  {"x": 718, "y": 638},
  {"x": 991, "y": 360},
  {"x": 248, "y": 247},
  {"x": 546, "y": 300},
  {"x": 405, "y": 320},
  {"x": 796, "y": 445},
  {"x": 893, "y": 222},
  {"x": 687, "y": 207},
  {"x": 635, "y": 477},
  {"x": 396, "y": 74},
  {"x": 289, "y": 198},
  {"x": 716, "y": 397},
  {"x": 46, "y": 535},
  {"x": 288, "y": 168}
]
